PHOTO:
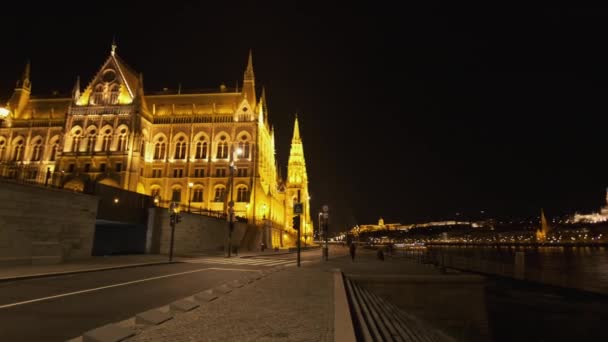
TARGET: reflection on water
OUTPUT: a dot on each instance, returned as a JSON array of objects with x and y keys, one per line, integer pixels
[{"x": 578, "y": 267}]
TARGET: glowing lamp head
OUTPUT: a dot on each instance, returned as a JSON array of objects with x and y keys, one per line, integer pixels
[
  {"x": 4, "y": 112},
  {"x": 115, "y": 200},
  {"x": 239, "y": 151},
  {"x": 190, "y": 184}
]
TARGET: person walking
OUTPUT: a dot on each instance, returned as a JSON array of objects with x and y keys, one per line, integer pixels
[
  {"x": 353, "y": 251},
  {"x": 380, "y": 254}
]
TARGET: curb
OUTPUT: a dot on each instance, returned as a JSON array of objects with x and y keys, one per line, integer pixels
[
  {"x": 344, "y": 331},
  {"x": 271, "y": 253},
  {"x": 125, "y": 329},
  {"x": 52, "y": 274}
]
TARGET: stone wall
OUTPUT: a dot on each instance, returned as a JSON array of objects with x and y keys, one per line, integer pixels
[
  {"x": 44, "y": 225},
  {"x": 195, "y": 233}
]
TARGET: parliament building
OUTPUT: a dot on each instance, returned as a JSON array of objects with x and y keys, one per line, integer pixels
[{"x": 202, "y": 149}]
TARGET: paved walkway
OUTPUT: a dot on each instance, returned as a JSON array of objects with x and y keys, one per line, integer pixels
[{"x": 290, "y": 305}]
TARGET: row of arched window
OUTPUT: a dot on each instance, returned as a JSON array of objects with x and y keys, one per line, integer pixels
[
  {"x": 95, "y": 142},
  {"x": 201, "y": 148},
  {"x": 16, "y": 152},
  {"x": 242, "y": 193}
]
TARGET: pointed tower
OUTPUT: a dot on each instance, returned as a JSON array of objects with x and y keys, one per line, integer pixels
[
  {"x": 21, "y": 94},
  {"x": 541, "y": 233},
  {"x": 297, "y": 180},
  {"x": 249, "y": 82},
  {"x": 76, "y": 90}
]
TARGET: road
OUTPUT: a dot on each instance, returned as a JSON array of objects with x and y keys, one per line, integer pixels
[{"x": 63, "y": 307}]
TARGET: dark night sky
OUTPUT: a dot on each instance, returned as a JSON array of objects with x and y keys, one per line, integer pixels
[{"x": 410, "y": 114}]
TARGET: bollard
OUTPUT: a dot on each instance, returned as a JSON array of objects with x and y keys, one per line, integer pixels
[{"x": 520, "y": 265}]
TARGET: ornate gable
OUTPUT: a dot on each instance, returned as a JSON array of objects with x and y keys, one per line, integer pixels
[{"x": 114, "y": 84}]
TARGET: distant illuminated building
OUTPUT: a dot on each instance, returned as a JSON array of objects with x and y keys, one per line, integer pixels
[
  {"x": 365, "y": 228},
  {"x": 602, "y": 216}
]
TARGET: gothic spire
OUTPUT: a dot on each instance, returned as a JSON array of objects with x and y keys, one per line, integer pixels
[
  {"x": 249, "y": 70},
  {"x": 296, "y": 133},
  {"x": 249, "y": 82},
  {"x": 76, "y": 90},
  {"x": 24, "y": 82}
]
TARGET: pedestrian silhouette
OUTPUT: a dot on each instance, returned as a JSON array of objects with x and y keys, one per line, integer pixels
[
  {"x": 353, "y": 250},
  {"x": 380, "y": 254}
]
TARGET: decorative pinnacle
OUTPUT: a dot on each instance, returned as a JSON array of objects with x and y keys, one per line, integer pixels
[{"x": 114, "y": 46}]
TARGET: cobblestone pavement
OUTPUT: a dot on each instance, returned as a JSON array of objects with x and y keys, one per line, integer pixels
[{"x": 290, "y": 305}]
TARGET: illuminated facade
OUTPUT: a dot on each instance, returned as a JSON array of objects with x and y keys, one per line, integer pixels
[
  {"x": 168, "y": 145},
  {"x": 602, "y": 216}
]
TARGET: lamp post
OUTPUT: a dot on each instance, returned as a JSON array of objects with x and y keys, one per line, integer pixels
[
  {"x": 173, "y": 220},
  {"x": 325, "y": 216},
  {"x": 230, "y": 213},
  {"x": 190, "y": 185}
]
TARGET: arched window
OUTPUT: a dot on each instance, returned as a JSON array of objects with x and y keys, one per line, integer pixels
[
  {"x": 122, "y": 140},
  {"x": 244, "y": 146},
  {"x": 242, "y": 194},
  {"x": 76, "y": 141},
  {"x": 180, "y": 148},
  {"x": 154, "y": 192},
  {"x": 107, "y": 141},
  {"x": 114, "y": 92},
  {"x": 176, "y": 195},
  {"x": 2, "y": 149},
  {"x": 18, "y": 151},
  {"x": 219, "y": 194},
  {"x": 92, "y": 141},
  {"x": 222, "y": 148},
  {"x": 159, "y": 149},
  {"x": 197, "y": 196},
  {"x": 97, "y": 98},
  {"x": 54, "y": 149},
  {"x": 201, "y": 149},
  {"x": 36, "y": 151}
]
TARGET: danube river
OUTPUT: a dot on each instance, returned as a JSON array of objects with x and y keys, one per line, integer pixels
[{"x": 575, "y": 267}]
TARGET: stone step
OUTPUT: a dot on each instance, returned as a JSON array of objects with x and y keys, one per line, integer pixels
[{"x": 379, "y": 320}]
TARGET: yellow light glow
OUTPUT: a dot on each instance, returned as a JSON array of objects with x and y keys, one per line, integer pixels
[
  {"x": 124, "y": 97},
  {"x": 190, "y": 184},
  {"x": 116, "y": 200},
  {"x": 4, "y": 113}
]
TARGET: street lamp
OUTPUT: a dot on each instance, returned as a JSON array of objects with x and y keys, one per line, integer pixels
[
  {"x": 190, "y": 185},
  {"x": 230, "y": 216},
  {"x": 4, "y": 112}
]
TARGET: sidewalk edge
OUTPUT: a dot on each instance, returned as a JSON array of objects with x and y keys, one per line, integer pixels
[
  {"x": 344, "y": 330},
  {"x": 52, "y": 274}
]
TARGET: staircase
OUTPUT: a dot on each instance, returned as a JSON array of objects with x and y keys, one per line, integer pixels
[{"x": 377, "y": 320}]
